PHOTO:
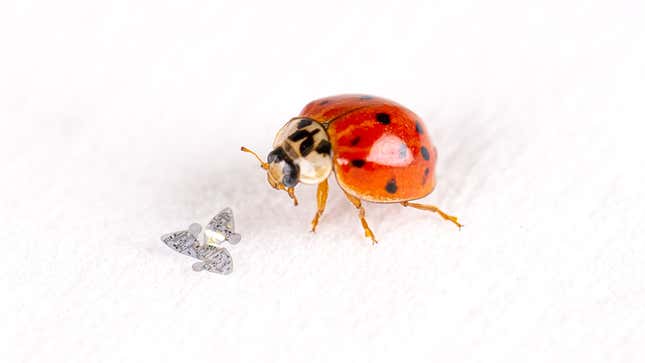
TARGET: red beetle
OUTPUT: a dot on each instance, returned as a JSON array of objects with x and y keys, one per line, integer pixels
[{"x": 379, "y": 150}]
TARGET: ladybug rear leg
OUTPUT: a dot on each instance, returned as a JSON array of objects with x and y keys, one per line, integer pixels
[
  {"x": 432, "y": 208},
  {"x": 361, "y": 214},
  {"x": 321, "y": 197}
]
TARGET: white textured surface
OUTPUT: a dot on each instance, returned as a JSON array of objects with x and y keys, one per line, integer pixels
[{"x": 122, "y": 121}]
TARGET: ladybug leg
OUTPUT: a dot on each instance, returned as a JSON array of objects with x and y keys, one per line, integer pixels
[
  {"x": 321, "y": 197},
  {"x": 361, "y": 214},
  {"x": 432, "y": 208},
  {"x": 292, "y": 194}
]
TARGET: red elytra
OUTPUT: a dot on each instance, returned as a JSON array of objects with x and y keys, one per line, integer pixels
[{"x": 379, "y": 150}]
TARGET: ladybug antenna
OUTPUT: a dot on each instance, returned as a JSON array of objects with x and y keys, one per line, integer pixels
[{"x": 264, "y": 165}]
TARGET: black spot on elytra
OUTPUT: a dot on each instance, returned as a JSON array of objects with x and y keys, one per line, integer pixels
[
  {"x": 366, "y": 97},
  {"x": 355, "y": 141},
  {"x": 324, "y": 102},
  {"x": 304, "y": 123},
  {"x": 383, "y": 118},
  {"x": 391, "y": 187},
  {"x": 425, "y": 176},
  {"x": 324, "y": 147},
  {"x": 419, "y": 128},
  {"x": 358, "y": 163},
  {"x": 425, "y": 153}
]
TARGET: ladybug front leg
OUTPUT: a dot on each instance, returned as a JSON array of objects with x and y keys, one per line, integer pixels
[
  {"x": 361, "y": 214},
  {"x": 432, "y": 208},
  {"x": 321, "y": 197}
]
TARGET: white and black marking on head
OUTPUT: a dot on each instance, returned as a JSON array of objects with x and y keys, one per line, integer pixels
[{"x": 302, "y": 153}]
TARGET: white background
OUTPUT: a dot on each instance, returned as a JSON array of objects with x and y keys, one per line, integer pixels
[{"x": 122, "y": 120}]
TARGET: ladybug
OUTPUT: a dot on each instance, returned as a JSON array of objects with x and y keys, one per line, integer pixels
[{"x": 379, "y": 151}]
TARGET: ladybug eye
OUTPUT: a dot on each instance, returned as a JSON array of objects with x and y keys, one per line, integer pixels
[
  {"x": 276, "y": 155},
  {"x": 290, "y": 172}
]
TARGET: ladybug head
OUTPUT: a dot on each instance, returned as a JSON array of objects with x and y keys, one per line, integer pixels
[
  {"x": 274, "y": 180},
  {"x": 282, "y": 169},
  {"x": 301, "y": 154}
]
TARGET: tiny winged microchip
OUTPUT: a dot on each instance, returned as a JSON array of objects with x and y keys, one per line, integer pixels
[{"x": 205, "y": 245}]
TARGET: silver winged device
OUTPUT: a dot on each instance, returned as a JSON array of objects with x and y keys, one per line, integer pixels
[{"x": 205, "y": 244}]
